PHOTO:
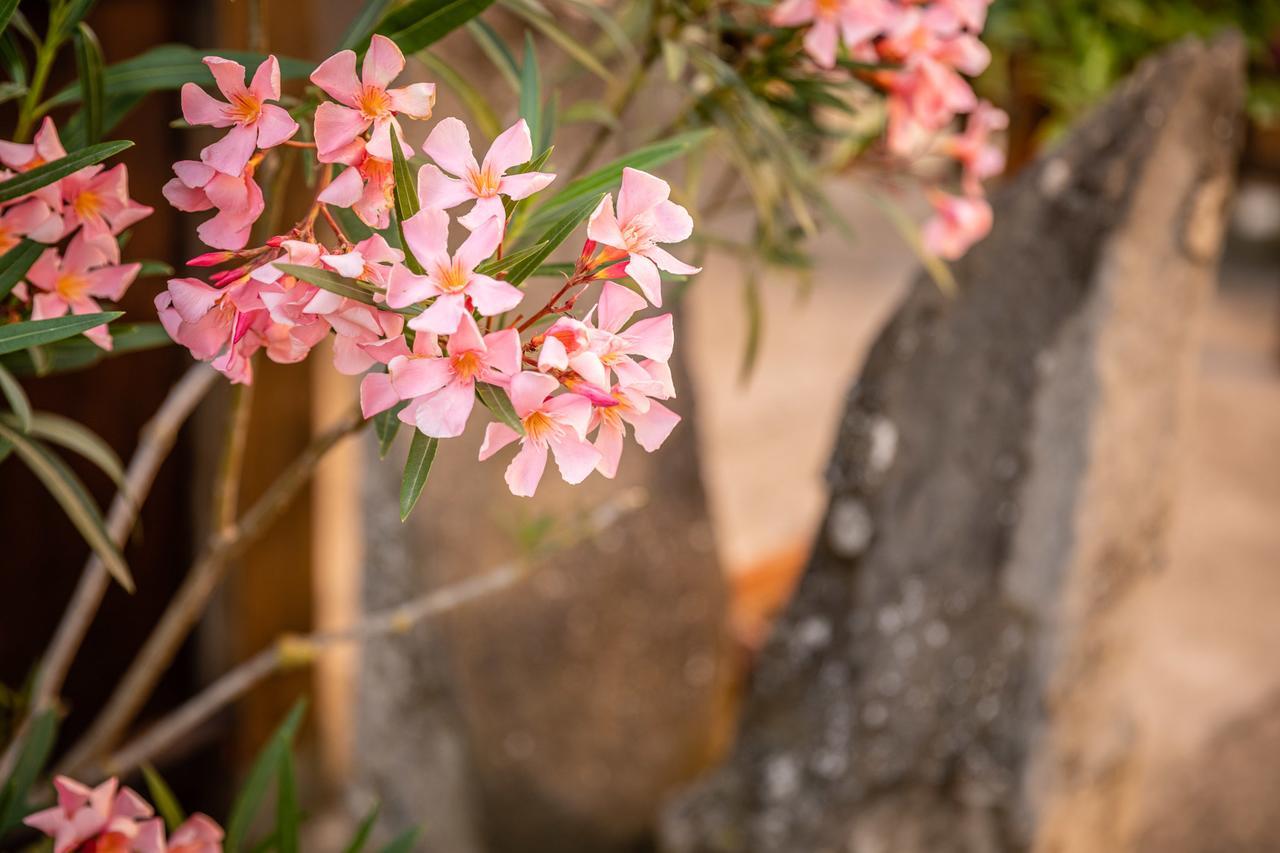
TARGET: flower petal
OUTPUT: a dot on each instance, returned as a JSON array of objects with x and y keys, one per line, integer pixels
[
  {"x": 603, "y": 225},
  {"x": 441, "y": 316},
  {"x": 275, "y": 125},
  {"x": 382, "y": 63},
  {"x": 436, "y": 189},
  {"x": 336, "y": 128},
  {"x": 529, "y": 389},
  {"x": 449, "y": 144},
  {"x": 265, "y": 85},
  {"x": 575, "y": 458},
  {"x": 491, "y": 296},
  {"x": 645, "y": 274},
  {"x": 525, "y": 471},
  {"x": 337, "y": 77},
  {"x": 231, "y": 153},
  {"x": 640, "y": 192},
  {"x": 496, "y": 437},
  {"x": 427, "y": 233},
  {"x": 512, "y": 147},
  {"x": 199, "y": 107}
]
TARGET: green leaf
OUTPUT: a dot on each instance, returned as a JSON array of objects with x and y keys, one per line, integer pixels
[
  {"x": 492, "y": 45},
  {"x": 330, "y": 281},
  {"x": 607, "y": 176},
  {"x": 363, "y": 24},
  {"x": 155, "y": 269},
  {"x": 75, "y": 134},
  {"x": 72, "y": 12},
  {"x": 363, "y": 831},
  {"x": 406, "y": 202},
  {"x": 419, "y": 23},
  {"x": 287, "y": 815},
  {"x": 40, "y": 176},
  {"x": 89, "y": 65},
  {"x": 570, "y": 44},
  {"x": 163, "y": 799},
  {"x": 15, "y": 263},
  {"x": 18, "y": 401},
  {"x": 472, "y": 99},
  {"x": 7, "y": 8},
  {"x": 80, "y": 352},
  {"x": 422, "y": 452},
  {"x": 499, "y": 405},
  {"x": 755, "y": 323},
  {"x": 552, "y": 238},
  {"x": 15, "y": 63},
  {"x": 71, "y": 495},
  {"x": 385, "y": 425},
  {"x": 494, "y": 266},
  {"x": 531, "y": 90},
  {"x": 11, "y": 91},
  {"x": 267, "y": 764},
  {"x": 78, "y": 438},
  {"x": 30, "y": 333},
  {"x": 32, "y": 759},
  {"x": 403, "y": 843}
]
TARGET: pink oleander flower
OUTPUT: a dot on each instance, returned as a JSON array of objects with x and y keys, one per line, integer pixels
[
  {"x": 958, "y": 223},
  {"x": 31, "y": 218},
  {"x": 451, "y": 280},
  {"x": 557, "y": 423},
  {"x": 595, "y": 351},
  {"x": 99, "y": 201},
  {"x": 237, "y": 198},
  {"x": 856, "y": 22},
  {"x": 377, "y": 394},
  {"x": 960, "y": 14},
  {"x": 366, "y": 186},
  {"x": 442, "y": 388},
  {"x": 45, "y": 147},
  {"x": 371, "y": 260},
  {"x": 106, "y": 815},
  {"x": 645, "y": 217},
  {"x": 978, "y": 158},
  {"x": 366, "y": 100},
  {"x": 198, "y": 834},
  {"x": 651, "y": 422},
  {"x": 75, "y": 281},
  {"x": 215, "y": 323},
  {"x": 254, "y": 123},
  {"x": 450, "y": 146}
]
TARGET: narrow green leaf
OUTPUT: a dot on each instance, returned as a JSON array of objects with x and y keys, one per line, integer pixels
[
  {"x": 361, "y": 838},
  {"x": 30, "y": 333},
  {"x": 363, "y": 24},
  {"x": 163, "y": 799},
  {"x": 471, "y": 97},
  {"x": 420, "y": 23},
  {"x": 79, "y": 439},
  {"x": 89, "y": 65},
  {"x": 570, "y": 44},
  {"x": 72, "y": 13},
  {"x": 267, "y": 764},
  {"x": 72, "y": 496},
  {"x": 403, "y": 843},
  {"x": 155, "y": 269},
  {"x": 80, "y": 352},
  {"x": 552, "y": 238},
  {"x": 494, "y": 266},
  {"x": 330, "y": 281},
  {"x": 531, "y": 90},
  {"x": 422, "y": 452},
  {"x": 18, "y": 401},
  {"x": 15, "y": 63},
  {"x": 11, "y": 91},
  {"x": 493, "y": 46},
  {"x": 287, "y": 812},
  {"x": 755, "y": 323},
  {"x": 32, "y": 759},
  {"x": 28, "y": 182},
  {"x": 499, "y": 405},
  {"x": 385, "y": 425},
  {"x": 406, "y": 202},
  {"x": 75, "y": 133},
  {"x": 7, "y": 8},
  {"x": 15, "y": 263},
  {"x": 607, "y": 176}
]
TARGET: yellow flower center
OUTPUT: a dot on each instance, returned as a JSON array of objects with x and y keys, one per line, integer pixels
[
  {"x": 87, "y": 204},
  {"x": 452, "y": 279},
  {"x": 71, "y": 287},
  {"x": 7, "y": 240},
  {"x": 244, "y": 108},
  {"x": 374, "y": 103},
  {"x": 827, "y": 8},
  {"x": 539, "y": 427},
  {"x": 485, "y": 182},
  {"x": 467, "y": 365}
]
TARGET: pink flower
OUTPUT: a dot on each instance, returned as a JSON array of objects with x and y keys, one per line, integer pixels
[
  {"x": 198, "y": 834},
  {"x": 75, "y": 281},
  {"x": 645, "y": 217},
  {"x": 371, "y": 260},
  {"x": 961, "y": 14},
  {"x": 99, "y": 200},
  {"x": 366, "y": 186},
  {"x": 237, "y": 198},
  {"x": 559, "y": 423},
  {"x": 651, "y": 421},
  {"x": 31, "y": 218},
  {"x": 254, "y": 123},
  {"x": 450, "y": 145},
  {"x": 451, "y": 280},
  {"x": 45, "y": 147},
  {"x": 107, "y": 814},
  {"x": 443, "y": 388},
  {"x": 958, "y": 223},
  {"x": 856, "y": 22},
  {"x": 979, "y": 159},
  {"x": 366, "y": 100}
]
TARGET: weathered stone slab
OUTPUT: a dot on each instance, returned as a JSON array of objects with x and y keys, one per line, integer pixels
[{"x": 946, "y": 676}]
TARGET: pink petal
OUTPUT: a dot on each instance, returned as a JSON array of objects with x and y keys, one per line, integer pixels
[
  {"x": 336, "y": 128},
  {"x": 229, "y": 76},
  {"x": 512, "y": 147},
  {"x": 414, "y": 377},
  {"x": 382, "y": 63},
  {"x": 640, "y": 192},
  {"x": 617, "y": 304},
  {"x": 504, "y": 351},
  {"x": 652, "y": 426},
  {"x": 652, "y": 337},
  {"x": 524, "y": 184},
  {"x": 449, "y": 144},
  {"x": 112, "y": 282},
  {"x": 575, "y": 458},
  {"x": 645, "y": 274},
  {"x": 552, "y": 355},
  {"x": 182, "y": 197},
  {"x": 792, "y": 13},
  {"x": 603, "y": 225},
  {"x": 266, "y": 80},
  {"x": 442, "y": 316},
  {"x": 436, "y": 189},
  {"x": 349, "y": 358},
  {"x": 427, "y": 233},
  {"x": 664, "y": 260},
  {"x": 197, "y": 829},
  {"x": 404, "y": 288},
  {"x": 525, "y": 470},
  {"x": 671, "y": 223},
  {"x": 466, "y": 338},
  {"x": 820, "y": 42},
  {"x": 192, "y": 298},
  {"x": 344, "y": 190},
  {"x": 199, "y": 107},
  {"x": 573, "y": 410},
  {"x": 414, "y": 101},
  {"x": 337, "y": 77},
  {"x": 609, "y": 445},
  {"x": 275, "y": 125},
  {"x": 529, "y": 389},
  {"x": 231, "y": 153},
  {"x": 496, "y": 437},
  {"x": 480, "y": 244},
  {"x": 444, "y": 414},
  {"x": 491, "y": 296}
]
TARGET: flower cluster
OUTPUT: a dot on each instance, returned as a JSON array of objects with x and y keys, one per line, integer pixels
[
  {"x": 921, "y": 50},
  {"x": 110, "y": 817},
  {"x": 91, "y": 207},
  {"x": 431, "y": 326}
]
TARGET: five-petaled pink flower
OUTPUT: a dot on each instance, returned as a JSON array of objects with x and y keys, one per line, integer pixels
[
  {"x": 366, "y": 100},
  {"x": 237, "y": 198},
  {"x": 958, "y": 223},
  {"x": 254, "y": 123},
  {"x": 559, "y": 423},
  {"x": 855, "y": 22},
  {"x": 442, "y": 387},
  {"x": 450, "y": 145},
  {"x": 645, "y": 217},
  {"x": 651, "y": 422},
  {"x": 451, "y": 280},
  {"x": 99, "y": 201},
  {"x": 74, "y": 281},
  {"x": 366, "y": 186},
  {"x": 107, "y": 813}
]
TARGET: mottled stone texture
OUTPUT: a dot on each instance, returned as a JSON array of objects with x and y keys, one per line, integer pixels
[{"x": 944, "y": 680}]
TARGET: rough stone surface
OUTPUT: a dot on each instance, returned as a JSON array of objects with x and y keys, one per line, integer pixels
[{"x": 944, "y": 678}]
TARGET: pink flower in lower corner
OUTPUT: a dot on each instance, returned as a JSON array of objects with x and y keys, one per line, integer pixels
[
  {"x": 366, "y": 101},
  {"x": 237, "y": 198},
  {"x": 254, "y": 122},
  {"x": 958, "y": 223},
  {"x": 855, "y": 22},
  {"x": 558, "y": 424},
  {"x": 74, "y": 281},
  {"x": 197, "y": 834},
  {"x": 451, "y": 281},
  {"x": 450, "y": 146},
  {"x": 645, "y": 217},
  {"x": 107, "y": 814}
]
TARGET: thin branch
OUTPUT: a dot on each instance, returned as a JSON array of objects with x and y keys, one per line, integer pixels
[
  {"x": 292, "y": 651},
  {"x": 189, "y": 602},
  {"x": 226, "y": 495},
  {"x": 154, "y": 443}
]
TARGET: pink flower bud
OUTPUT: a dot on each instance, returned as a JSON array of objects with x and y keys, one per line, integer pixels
[{"x": 210, "y": 259}]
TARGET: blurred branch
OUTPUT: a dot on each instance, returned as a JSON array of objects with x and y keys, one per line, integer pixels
[
  {"x": 188, "y": 604},
  {"x": 292, "y": 651},
  {"x": 154, "y": 443},
  {"x": 621, "y": 102}
]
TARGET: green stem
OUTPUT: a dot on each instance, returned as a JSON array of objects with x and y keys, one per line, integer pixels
[{"x": 29, "y": 111}]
